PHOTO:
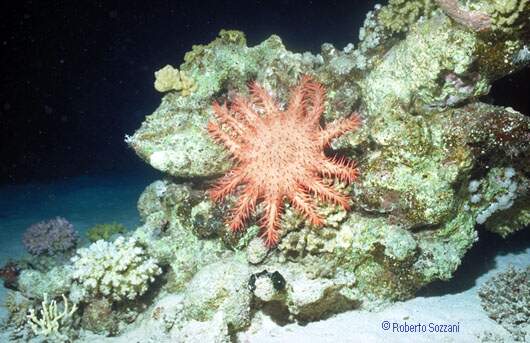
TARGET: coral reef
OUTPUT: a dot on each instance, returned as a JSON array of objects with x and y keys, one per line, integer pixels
[
  {"x": 173, "y": 229},
  {"x": 435, "y": 163},
  {"x": 506, "y": 299},
  {"x": 436, "y": 167},
  {"x": 118, "y": 270},
  {"x": 173, "y": 139},
  {"x": 227, "y": 293},
  {"x": 50, "y": 237},
  {"x": 105, "y": 231}
]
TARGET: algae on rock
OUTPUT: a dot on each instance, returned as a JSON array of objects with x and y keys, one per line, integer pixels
[
  {"x": 173, "y": 229},
  {"x": 416, "y": 77},
  {"x": 435, "y": 164},
  {"x": 173, "y": 139}
]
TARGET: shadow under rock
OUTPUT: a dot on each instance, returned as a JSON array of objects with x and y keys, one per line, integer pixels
[{"x": 478, "y": 260}]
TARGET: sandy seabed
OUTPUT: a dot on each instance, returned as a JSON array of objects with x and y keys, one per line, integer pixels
[
  {"x": 452, "y": 305},
  {"x": 460, "y": 307}
]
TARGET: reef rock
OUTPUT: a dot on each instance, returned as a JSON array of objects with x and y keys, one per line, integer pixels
[
  {"x": 506, "y": 299},
  {"x": 435, "y": 164}
]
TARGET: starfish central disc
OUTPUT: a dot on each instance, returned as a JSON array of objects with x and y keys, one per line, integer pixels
[{"x": 280, "y": 156}]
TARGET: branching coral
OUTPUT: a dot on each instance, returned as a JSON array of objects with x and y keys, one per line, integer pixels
[
  {"x": 118, "y": 270},
  {"x": 50, "y": 237},
  {"x": 51, "y": 323}
]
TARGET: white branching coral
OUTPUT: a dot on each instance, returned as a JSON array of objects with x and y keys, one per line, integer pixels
[
  {"x": 51, "y": 323},
  {"x": 117, "y": 270}
]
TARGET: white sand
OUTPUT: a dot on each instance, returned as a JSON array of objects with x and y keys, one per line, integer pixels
[
  {"x": 363, "y": 326},
  {"x": 86, "y": 201}
]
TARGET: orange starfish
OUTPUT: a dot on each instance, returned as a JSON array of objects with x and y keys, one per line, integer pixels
[{"x": 279, "y": 155}]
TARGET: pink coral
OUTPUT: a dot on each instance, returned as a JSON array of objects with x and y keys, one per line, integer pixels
[
  {"x": 474, "y": 20},
  {"x": 50, "y": 237}
]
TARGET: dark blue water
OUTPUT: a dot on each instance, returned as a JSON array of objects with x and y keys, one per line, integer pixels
[{"x": 84, "y": 201}]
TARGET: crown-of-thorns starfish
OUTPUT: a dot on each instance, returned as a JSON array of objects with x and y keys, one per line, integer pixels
[{"x": 279, "y": 156}]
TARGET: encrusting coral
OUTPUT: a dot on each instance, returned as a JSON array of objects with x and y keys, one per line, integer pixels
[
  {"x": 17, "y": 306},
  {"x": 105, "y": 231},
  {"x": 171, "y": 79},
  {"x": 280, "y": 155},
  {"x": 53, "y": 282}
]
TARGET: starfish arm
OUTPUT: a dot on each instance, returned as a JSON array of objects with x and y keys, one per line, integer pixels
[
  {"x": 342, "y": 168},
  {"x": 316, "y": 95},
  {"x": 304, "y": 204},
  {"x": 226, "y": 185},
  {"x": 339, "y": 127},
  {"x": 327, "y": 193},
  {"x": 298, "y": 95},
  {"x": 271, "y": 220},
  {"x": 223, "y": 115},
  {"x": 242, "y": 107},
  {"x": 222, "y": 137},
  {"x": 262, "y": 98},
  {"x": 245, "y": 205},
  {"x": 279, "y": 155}
]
